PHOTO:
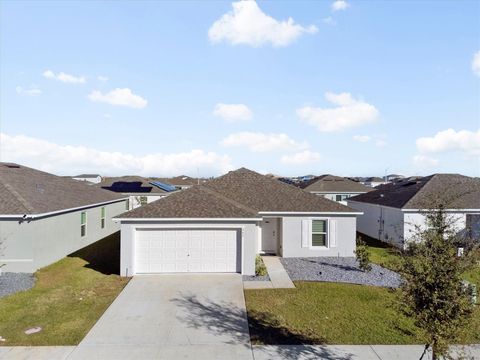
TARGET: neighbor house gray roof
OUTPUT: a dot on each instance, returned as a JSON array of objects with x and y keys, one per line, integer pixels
[
  {"x": 453, "y": 191},
  {"x": 239, "y": 194},
  {"x": 332, "y": 184},
  {"x": 129, "y": 184},
  {"x": 181, "y": 180},
  {"x": 24, "y": 190}
]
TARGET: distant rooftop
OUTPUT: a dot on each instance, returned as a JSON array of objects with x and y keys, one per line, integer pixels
[{"x": 454, "y": 191}]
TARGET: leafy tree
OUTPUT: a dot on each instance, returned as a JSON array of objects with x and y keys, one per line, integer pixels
[
  {"x": 362, "y": 254},
  {"x": 433, "y": 292}
]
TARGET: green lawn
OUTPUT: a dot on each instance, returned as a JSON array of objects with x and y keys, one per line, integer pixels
[
  {"x": 68, "y": 298},
  {"x": 335, "y": 313},
  {"x": 332, "y": 313}
]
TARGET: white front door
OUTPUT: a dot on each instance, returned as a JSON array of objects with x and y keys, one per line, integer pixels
[
  {"x": 186, "y": 250},
  {"x": 269, "y": 236}
]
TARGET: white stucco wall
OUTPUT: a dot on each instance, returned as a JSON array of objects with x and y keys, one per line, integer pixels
[
  {"x": 415, "y": 220},
  {"x": 134, "y": 200},
  {"x": 291, "y": 245},
  {"x": 249, "y": 242},
  {"x": 29, "y": 246},
  {"x": 370, "y": 223}
]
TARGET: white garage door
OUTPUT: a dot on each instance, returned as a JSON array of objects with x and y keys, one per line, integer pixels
[{"x": 186, "y": 250}]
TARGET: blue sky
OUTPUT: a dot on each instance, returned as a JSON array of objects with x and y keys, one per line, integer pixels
[{"x": 163, "y": 88}]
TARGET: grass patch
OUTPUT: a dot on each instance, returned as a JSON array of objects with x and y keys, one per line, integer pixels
[
  {"x": 382, "y": 253},
  {"x": 332, "y": 313},
  {"x": 68, "y": 298},
  {"x": 260, "y": 268}
]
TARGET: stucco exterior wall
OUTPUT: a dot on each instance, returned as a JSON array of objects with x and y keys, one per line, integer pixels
[
  {"x": 134, "y": 200},
  {"x": 345, "y": 232},
  {"x": 414, "y": 221},
  {"x": 29, "y": 246},
  {"x": 249, "y": 242},
  {"x": 380, "y": 222}
]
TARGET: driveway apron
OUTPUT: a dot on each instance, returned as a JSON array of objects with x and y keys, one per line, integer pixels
[{"x": 198, "y": 316}]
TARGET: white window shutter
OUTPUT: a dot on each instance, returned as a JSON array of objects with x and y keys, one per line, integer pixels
[
  {"x": 306, "y": 232},
  {"x": 332, "y": 233}
]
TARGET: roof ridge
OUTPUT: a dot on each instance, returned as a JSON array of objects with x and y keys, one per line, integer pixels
[
  {"x": 227, "y": 199},
  {"x": 17, "y": 196}
]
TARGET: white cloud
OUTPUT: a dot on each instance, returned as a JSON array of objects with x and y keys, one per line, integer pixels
[
  {"x": 339, "y": 5},
  {"x": 349, "y": 113},
  {"x": 476, "y": 63},
  {"x": 31, "y": 91},
  {"x": 63, "y": 77},
  {"x": 380, "y": 142},
  {"x": 423, "y": 161},
  {"x": 362, "y": 138},
  {"x": 247, "y": 24},
  {"x": 122, "y": 97},
  {"x": 261, "y": 142},
  {"x": 70, "y": 160},
  {"x": 102, "y": 78},
  {"x": 301, "y": 158},
  {"x": 232, "y": 112},
  {"x": 450, "y": 140}
]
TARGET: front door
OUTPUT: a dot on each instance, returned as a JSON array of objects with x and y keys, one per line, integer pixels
[{"x": 269, "y": 235}]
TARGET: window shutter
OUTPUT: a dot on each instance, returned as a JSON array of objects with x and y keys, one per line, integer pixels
[
  {"x": 306, "y": 232},
  {"x": 332, "y": 233}
]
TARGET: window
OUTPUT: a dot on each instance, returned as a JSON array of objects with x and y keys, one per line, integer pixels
[
  {"x": 83, "y": 223},
  {"x": 127, "y": 204},
  {"x": 341, "y": 197},
  {"x": 143, "y": 200},
  {"x": 102, "y": 217},
  {"x": 319, "y": 233}
]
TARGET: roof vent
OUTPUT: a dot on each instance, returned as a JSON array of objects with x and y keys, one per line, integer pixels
[{"x": 12, "y": 165}]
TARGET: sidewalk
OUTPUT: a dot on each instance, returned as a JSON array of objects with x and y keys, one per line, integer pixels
[
  {"x": 279, "y": 278},
  {"x": 259, "y": 352}
]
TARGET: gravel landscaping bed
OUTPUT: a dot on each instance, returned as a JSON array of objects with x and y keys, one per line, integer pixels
[
  {"x": 255, "y": 278},
  {"x": 334, "y": 269},
  {"x": 10, "y": 283}
]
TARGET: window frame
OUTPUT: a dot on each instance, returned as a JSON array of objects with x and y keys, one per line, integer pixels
[
  {"x": 103, "y": 216},
  {"x": 83, "y": 225},
  {"x": 327, "y": 234},
  {"x": 143, "y": 200}
]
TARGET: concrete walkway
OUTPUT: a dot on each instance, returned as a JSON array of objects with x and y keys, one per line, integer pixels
[
  {"x": 260, "y": 352},
  {"x": 278, "y": 275},
  {"x": 172, "y": 317}
]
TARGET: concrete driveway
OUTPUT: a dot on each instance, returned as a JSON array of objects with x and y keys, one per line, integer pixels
[{"x": 199, "y": 316}]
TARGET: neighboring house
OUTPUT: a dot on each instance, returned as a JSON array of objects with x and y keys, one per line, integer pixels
[
  {"x": 91, "y": 178},
  {"x": 334, "y": 188},
  {"x": 44, "y": 217},
  {"x": 221, "y": 225},
  {"x": 372, "y": 181},
  {"x": 140, "y": 191},
  {"x": 394, "y": 177},
  {"x": 393, "y": 211},
  {"x": 182, "y": 182}
]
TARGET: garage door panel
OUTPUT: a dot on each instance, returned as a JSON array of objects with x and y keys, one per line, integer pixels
[{"x": 189, "y": 250}]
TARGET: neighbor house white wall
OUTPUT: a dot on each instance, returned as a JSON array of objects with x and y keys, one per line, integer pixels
[
  {"x": 345, "y": 232},
  {"x": 249, "y": 243},
  {"x": 31, "y": 245},
  {"x": 134, "y": 199},
  {"x": 417, "y": 220}
]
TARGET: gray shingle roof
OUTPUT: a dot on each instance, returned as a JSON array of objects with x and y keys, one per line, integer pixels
[
  {"x": 452, "y": 190},
  {"x": 331, "y": 183},
  {"x": 24, "y": 190},
  {"x": 238, "y": 194}
]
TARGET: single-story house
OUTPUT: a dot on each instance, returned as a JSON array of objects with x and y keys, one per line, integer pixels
[
  {"x": 221, "y": 225},
  {"x": 44, "y": 217},
  {"x": 393, "y": 211},
  {"x": 91, "y": 178},
  {"x": 334, "y": 188},
  {"x": 372, "y": 182},
  {"x": 139, "y": 190}
]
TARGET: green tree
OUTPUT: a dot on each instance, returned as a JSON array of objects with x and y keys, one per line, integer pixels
[
  {"x": 433, "y": 292},
  {"x": 363, "y": 256}
]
